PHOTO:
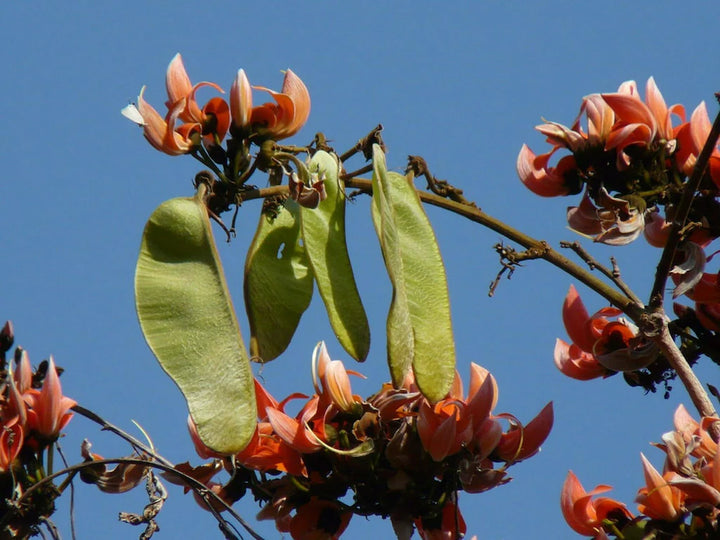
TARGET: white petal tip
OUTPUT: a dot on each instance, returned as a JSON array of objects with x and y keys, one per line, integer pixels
[{"x": 132, "y": 113}]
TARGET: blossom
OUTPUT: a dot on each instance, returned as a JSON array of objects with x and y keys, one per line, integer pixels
[
  {"x": 692, "y": 137},
  {"x": 214, "y": 117},
  {"x": 599, "y": 346},
  {"x": 454, "y": 422},
  {"x": 49, "y": 410},
  {"x": 319, "y": 519},
  {"x": 287, "y": 115},
  {"x": 449, "y": 525},
  {"x": 616, "y": 222},
  {"x": 586, "y": 515},
  {"x": 639, "y": 123},
  {"x": 161, "y": 132},
  {"x": 521, "y": 442},
  {"x": 457, "y": 422},
  {"x": 659, "y": 499}
]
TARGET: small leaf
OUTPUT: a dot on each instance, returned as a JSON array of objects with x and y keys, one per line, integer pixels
[
  {"x": 323, "y": 230},
  {"x": 419, "y": 326},
  {"x": 278, "y": 282},
  {"x": 189, "y": 322}
]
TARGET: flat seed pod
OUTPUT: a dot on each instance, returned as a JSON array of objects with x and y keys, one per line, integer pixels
[
  {"x": 419, "y": 327},
  {"x": 189, "y": 322},
  {"x": 323, "y": 231},
  {"x": 278, "y": 282}
]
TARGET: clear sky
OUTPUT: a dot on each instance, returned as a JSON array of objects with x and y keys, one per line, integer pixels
[{"x": 460, "y": 83}]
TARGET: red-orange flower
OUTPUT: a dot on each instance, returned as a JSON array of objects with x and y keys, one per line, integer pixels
[
  {"x": 659, "y": 499},
  {"x": 521, "y": 442},
  {"x": 585, "y": 515},
  {"x": 640, "y": 123},
  {"x": 319, "y": 519},
  {"x": 161, "y": 132},
  {"x": 454, "y": 422},
  {"x": 692, "y": 137},
  {"x": 599, "y": 346},
  {"x": 287, "y": 115},
  {"x": 214, "y": 117},
  {"x": 450, "y": 526},
  {"x": 49, "y": 410}
]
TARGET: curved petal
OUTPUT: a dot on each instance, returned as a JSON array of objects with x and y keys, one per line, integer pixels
[
  {"x": 581, "y": 517},
  {"x": 658, "y": 500},
  {"x": 577, "y": 321},
  {"x": 577, "y": 364},
  {"x": 522, "y": 442},
  {"x": 536, "y": 176}
]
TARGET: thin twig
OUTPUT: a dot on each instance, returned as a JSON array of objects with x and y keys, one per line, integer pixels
[
  {"x": 194, "y": 484},
  {"x": 72, "y": 494},
  {"x": 593, "y": 264}
]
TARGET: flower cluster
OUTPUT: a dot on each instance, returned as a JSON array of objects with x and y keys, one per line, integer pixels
[
  {"x": 398, "y": 454},
  {"x": 630, "y": 158},
  {"x": 681, "y": 502},
  {"x": 33, "y": 412},
  {"x": 187, "y": 127}
]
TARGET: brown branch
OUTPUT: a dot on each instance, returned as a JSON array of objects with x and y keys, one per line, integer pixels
[
  {"x": 365, "y": 145},
  {"x": 693, "y": 385},
  {"x": 633, "y": 309}
]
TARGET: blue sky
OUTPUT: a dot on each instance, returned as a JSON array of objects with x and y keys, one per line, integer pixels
[{"x": 462, "y": 84}]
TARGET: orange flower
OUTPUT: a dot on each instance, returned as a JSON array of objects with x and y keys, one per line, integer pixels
[
  {"x": 287, "y": 115},
  {"x": 520, "y": 442},
  {"x": 161, "y": 132},
  {"x": 49, "y": 409},
  {"x": 448, "y": 526},
  {"x": 640, "y": 123},
  {"x": 585, "y": 515},
  {"x": 319, "y": 519},
  {"x": 214, "y": 117},
  {"x": 454, "y": 422},
  {"x": 659, "y": 499},
  {"x": 295, "y": 432},
  {"x": 599, "y": 346},
  {"x": 267, "y": 452}
]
